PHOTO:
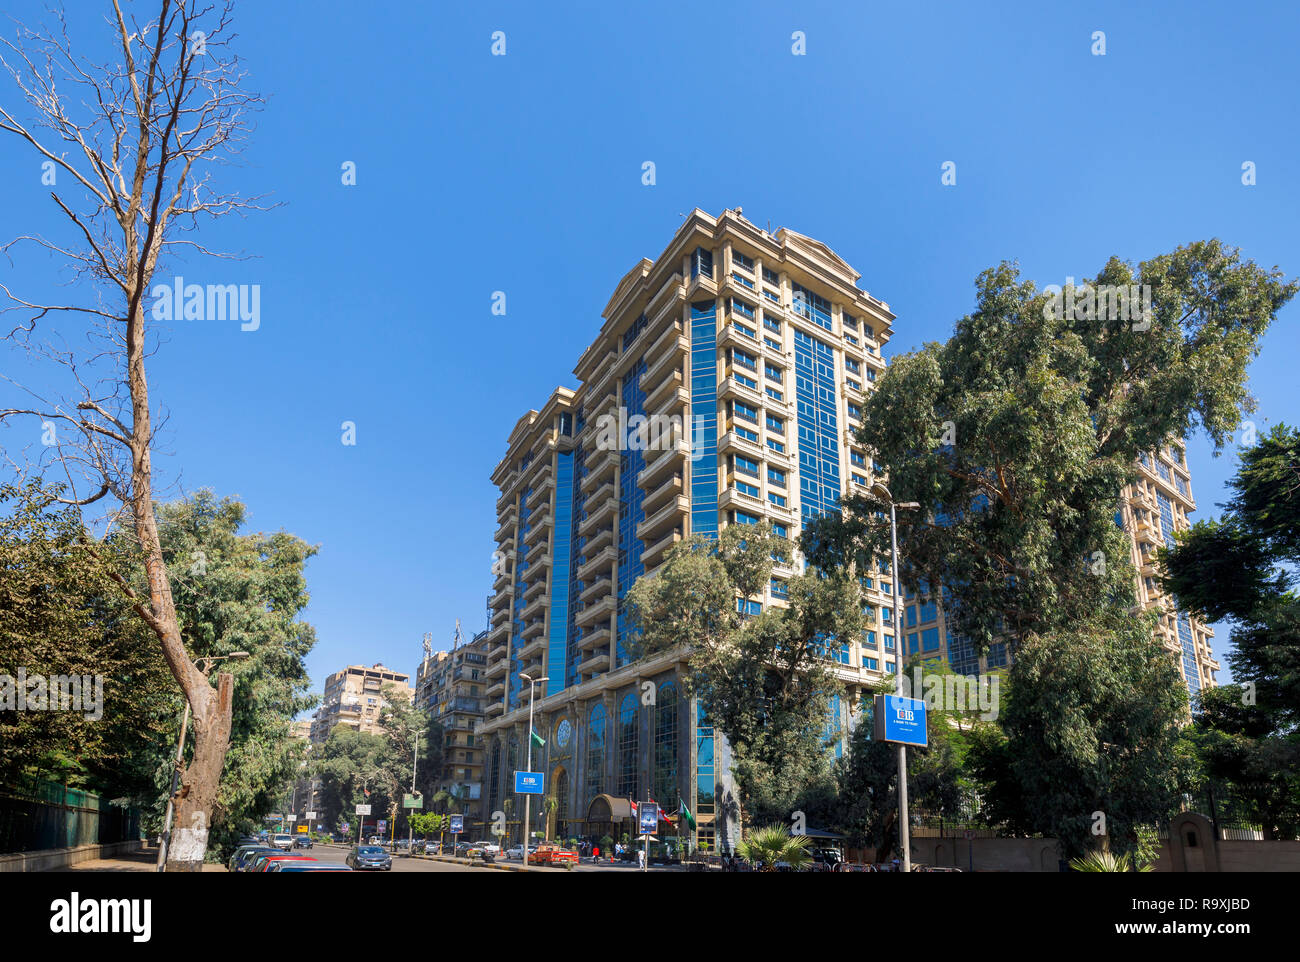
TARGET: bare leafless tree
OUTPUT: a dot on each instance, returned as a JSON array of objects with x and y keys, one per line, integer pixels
[{"x": 138, "y": 140}]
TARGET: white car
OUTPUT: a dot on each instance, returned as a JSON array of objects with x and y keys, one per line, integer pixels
[
  {"x": 517, "y": 851},
  {"x": 283, "y": 841},
  {"x": 480, "y": 848}
]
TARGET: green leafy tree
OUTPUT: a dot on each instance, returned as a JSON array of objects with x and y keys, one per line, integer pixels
[
  {"x": 244, "y": 591},
  {"x": 1017, "y": 436},
  {"x": 765, "y": 680},
  {"x": 1240, "y": 568}
]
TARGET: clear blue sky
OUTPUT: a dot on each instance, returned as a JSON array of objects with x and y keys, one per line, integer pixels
[{"x": 522, "y": 174}]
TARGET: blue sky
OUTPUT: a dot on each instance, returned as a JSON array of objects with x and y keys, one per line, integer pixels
[{"x": 522, "y": 173}]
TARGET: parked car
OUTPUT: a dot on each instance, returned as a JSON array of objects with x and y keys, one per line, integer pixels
[
  {"x": 286, "y": 865},
  {"x": 825, "y": 859},
  {"x": 431, "y": 847},
  {"x": 554, "y": 855},
  {"x": 370, "y": 857},
  {"x": 258, "y": 863},
  {"x": 245, "y": 852},
  {"x": 517, "y": 851}
]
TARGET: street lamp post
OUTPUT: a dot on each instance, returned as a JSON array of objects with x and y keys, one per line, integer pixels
[
  {"x": 205, "y": 665},
  {"x": 410, "y": 829},
  {"x": 529, "y": 764},
  {"x": 904, "y": 830}
]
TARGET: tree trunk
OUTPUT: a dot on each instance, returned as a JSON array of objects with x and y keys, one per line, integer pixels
[{"x": 201, "y": 781}]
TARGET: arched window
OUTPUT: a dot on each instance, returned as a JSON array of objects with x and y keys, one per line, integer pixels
[
  {"x": 627, "y": 746},
  {"x": 562, "y": 796},
  {"x": 665, "y": 748},
  {"x": 595, "y": 750}
]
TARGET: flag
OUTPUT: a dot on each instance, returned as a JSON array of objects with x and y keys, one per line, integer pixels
[
  {"x": 686, "y": 812},
  {"x": 663, "y": 816},
  {"x": 367, "y": 791},
  {"x": 538, "y": 740}
]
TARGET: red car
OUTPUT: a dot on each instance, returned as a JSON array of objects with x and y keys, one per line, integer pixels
[
  {"x": 264, "y": 863},
  {"x": 553, "y": 855}
]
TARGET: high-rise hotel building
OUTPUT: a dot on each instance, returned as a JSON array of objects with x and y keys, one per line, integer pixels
[{"x": 762, "y": 347}]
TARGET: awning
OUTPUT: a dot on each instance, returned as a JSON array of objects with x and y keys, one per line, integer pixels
[
  {"x": 822, "y": 833},
  {"x": 608, "y": 808}
]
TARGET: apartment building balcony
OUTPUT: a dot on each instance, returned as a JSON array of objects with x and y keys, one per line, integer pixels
[
  {"x": 507, "y": 498},
  {"x": 507, "y": 526},
  {"x": 535, "y": 552},
  {"x": 665, "y": 341},
  {"x": 729, "y": 498},
  {"x": 596, "y": 639},
  {"x": 670, "y": 485},
  {"x": 599, "y": 612},
  {"x": 498, "y": 667},
  {"x": 600, "y": 562},
  {"x": 669, "y": 515},
  {"x": 601, "y": 464},
  {"x": 533, "y": 665},
  {"x": 675, "y": 349},
  {"x": 542, "y": 484},
  {"x": 533, "y": 610},
  {"x": 732, "y": 442},
  {"x": 729, "y": 387},
  {"x": 729, "y": 336},
  {"x": 604, "y": 492},
  {"x": 596, "y": 587},
  {"x": 534, "y": 589},
  {"x": 494, "y": 708},
  {"x": 1146, "y": 532},
  {"x": 668, "y": 298},
  {"x": 497, "y": 635},
  {"x": 599, "y": 514},
  {"x": 505, "y": 572},
  {"x": 605, "y": 383},
  {"x": 654, "y": 553},
  {"x": 702, "y": 286},
  {"x": 500, "y": 616},
  {"x": 539, "y": 526},
  {"x": 535, "y": 644},
  {"x": 594, "y": 664},
  {"x": 597, "y": 540},
  {"x": 663, "y": 456},
  {"x": 670, "y": 394}
]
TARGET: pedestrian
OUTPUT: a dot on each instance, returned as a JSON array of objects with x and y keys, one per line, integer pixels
[
  {"x": 640, "y": 859},
  {"x": 597, "y": 851}
]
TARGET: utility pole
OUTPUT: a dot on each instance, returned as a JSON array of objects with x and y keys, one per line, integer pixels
[{"x": 529, "y": 764}]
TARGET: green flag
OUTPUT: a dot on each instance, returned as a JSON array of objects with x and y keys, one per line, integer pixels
[
  {"x": 690, "y": 819},
  {"x": 538, "y": 740}
]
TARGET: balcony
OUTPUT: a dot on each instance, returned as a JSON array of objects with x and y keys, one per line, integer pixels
[
  {"x": 540, "y": 526},
  {"x": 502, "y": 583},
  {"x": 675, "y": 350},
  {"x": 496, "y": 690},
  {"x": 597, "y": 587},
  {"x": 500, "y": 616},
  {"x": 595, "y": 664},
  {"x": 730, "y": 387},
  {"x": 541, "y": 485},
  {"x": 536, "y": 588},
  {"x": 535, "y": 644},
  {"x": 601, "y": 464},
  {"x": 598, "y": 515},
  {"x": 664, "y": 392},
  {"x": 494, "y": 708},
  {"x": 498, "y": 668},
  {"x": 654, "y": 553},
  {"x": 670, "y": 514},
  {"x": 654, "y": 496},
  {"x": 599, "y": 563},
  {"x": 596, "y": 639},
  {"x": 533, "y": 610},
  {"x": 598, "y": 538},
  {"x": 600, "y": 612},
  {"x": 507, "y": 526}
]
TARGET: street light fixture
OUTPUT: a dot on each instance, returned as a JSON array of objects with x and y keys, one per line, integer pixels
[
  {"x": 882, "y": 492},
  {"x": 528, "y": 798},
  {"x": 204, "y": 665}
]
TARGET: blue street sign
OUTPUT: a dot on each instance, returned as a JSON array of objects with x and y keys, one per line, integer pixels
[
  {"x": 457, "y": 824},
  {"x": 900, "y": 720},
  {"x": 530, "y": 783}
]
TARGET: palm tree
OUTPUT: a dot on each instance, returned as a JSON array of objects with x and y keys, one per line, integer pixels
[
  {"x": 772, "y": 844},
  {"x": 1104, "y": 861},
  {"x": 549, "y": 804}
]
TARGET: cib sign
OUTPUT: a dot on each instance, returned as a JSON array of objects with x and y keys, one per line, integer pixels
[
  {"x": 530, "y": 783},
  {"x": 900, "y": 720}
]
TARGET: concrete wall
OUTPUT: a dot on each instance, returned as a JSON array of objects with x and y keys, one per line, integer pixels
[
  {"x": 989, "y": 854},
  {"x": 61, "y": 857}
]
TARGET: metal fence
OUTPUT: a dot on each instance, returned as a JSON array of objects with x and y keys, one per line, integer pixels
[{"x": 39, "y": 815}]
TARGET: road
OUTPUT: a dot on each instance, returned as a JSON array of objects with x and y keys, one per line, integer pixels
[{"x": 401, "y": 863}]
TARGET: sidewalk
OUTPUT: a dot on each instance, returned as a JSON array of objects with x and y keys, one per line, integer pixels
[{"x": 144, "y": 860}]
